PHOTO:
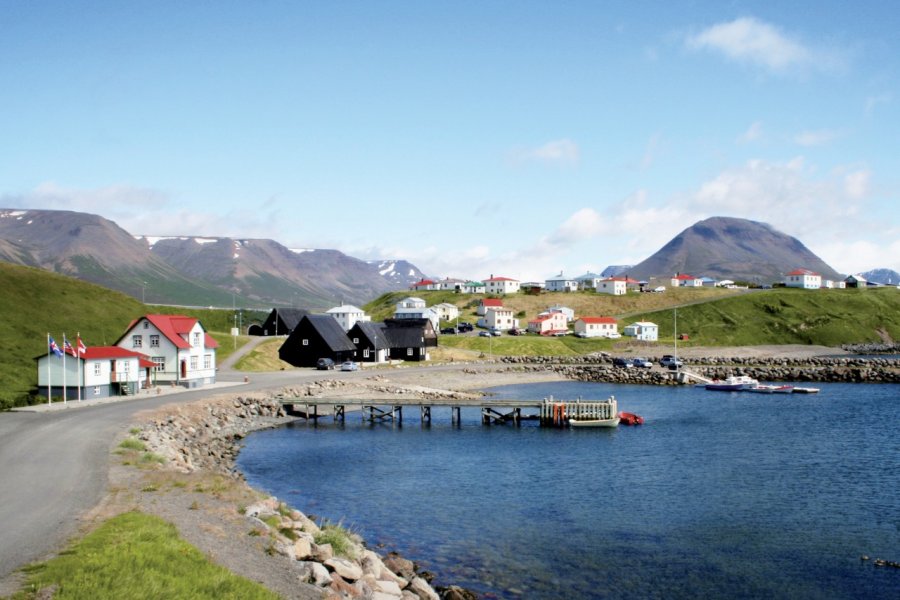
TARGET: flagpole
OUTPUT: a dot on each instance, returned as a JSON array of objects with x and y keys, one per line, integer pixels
[
  {"x": 78, "y": 361},
  {"x": 64, "y": 368},
  {"x": 49, "y": 353}
]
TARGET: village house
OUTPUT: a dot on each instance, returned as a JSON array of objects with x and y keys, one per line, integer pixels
[
  {"x": 501, "y": 285},
  {"x": 549, "y": 323},
  {"x": 596, "y": 327},
  {"x": 487, "y": 303},
  {"x": 560, "y": 283},
  {"x": 181, "y": 350},
  {"x": 642, "y": 330},
  {"x": 451, "y": 285},
  {"x": 315, "y": 337},
  {"x": 371, "y": 341},
  {"x": 347, "y": 315},
  {"x": 281, "y": 321},
  {"x": 532, "y": 287},
  {"x": 446, "y": 311},
  {"x": 418, "y": 313},
  {"x": 588, "y": 281},
  {"x": 410, "y": 338},
  {"x": 612, "y": 285},
  {"x": 411, "y": 302},
  {"x": 498, "y": 318},
  {"x": 99, "y": 371},
  {"x": 856, "y": 281},
  {"x": 684, "y": 280},
  {"x": 473, "y": 287},
  {"x": 568, "y": 312},
  {"x": 803, "y": 278},
  {"x": 425, "y": 285}
]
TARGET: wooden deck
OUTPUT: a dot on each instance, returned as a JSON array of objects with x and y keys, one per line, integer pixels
[{"x": 549, "y": 412}]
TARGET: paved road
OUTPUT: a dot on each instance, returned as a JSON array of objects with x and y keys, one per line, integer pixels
[{"x": 53, "y": 465}]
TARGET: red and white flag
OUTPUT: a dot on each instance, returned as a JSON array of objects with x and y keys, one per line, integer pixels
[{"x": 81, "y": 347}]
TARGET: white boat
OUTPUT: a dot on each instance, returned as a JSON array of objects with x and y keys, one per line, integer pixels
[
  {"x": 735, "y": 383},
  {"x": 771, "y": 389},
  {"x": 806, "y": 390},
  {"x": 614, "y": 422}
]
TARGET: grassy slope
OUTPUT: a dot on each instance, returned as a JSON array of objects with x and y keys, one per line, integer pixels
[{"x": 34, "y": 302}]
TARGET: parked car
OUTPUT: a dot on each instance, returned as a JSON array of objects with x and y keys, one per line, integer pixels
[
  {"x": 484, "y": 333},
  {"x": 639, "y": 361},
  {"x": 464, "y": 327},
  {"x": 449, "y": 330},
  {"x": 515, "y": 331},
  {"x": 613, "y": 335},
  {"x": 560, "y": 333},
  {"x": 623, "y": 362},
  {"x": 349, "y": 365},
  {"x": 581, "y": 334},
  {"x": 325, "y": 364},
  {"x": 495, "y": 332},
  {"x": 669, "y": 360}
]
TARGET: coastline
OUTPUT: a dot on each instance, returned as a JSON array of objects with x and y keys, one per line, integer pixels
[{"x": 202, "y": 496}]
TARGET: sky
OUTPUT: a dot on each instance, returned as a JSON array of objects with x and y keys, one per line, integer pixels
[{"x": 517, "y": 139}]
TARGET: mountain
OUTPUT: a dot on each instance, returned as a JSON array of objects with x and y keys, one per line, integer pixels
[
  {"x": 730, "y": 248},
  {"x": 399, "y": 273},
  {"x": 187, "y": 270},
  {"x": 883, "y": 276},
  {"x": 615, "y": 270}
]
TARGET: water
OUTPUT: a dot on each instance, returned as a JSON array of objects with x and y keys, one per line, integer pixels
[{"x": 718, "y": 495}]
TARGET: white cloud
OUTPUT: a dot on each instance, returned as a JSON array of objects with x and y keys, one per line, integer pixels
[
  {"x": 856, "y": 184},
  {"x": 815, "y": 138},
  {"x": 749, "y": 40},
  {"x": 753, "y": 133},
  {"x": 560, "y": 152},
  {"x": 583, "y": 224}
]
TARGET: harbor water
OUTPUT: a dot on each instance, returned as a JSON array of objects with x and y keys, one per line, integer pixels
[{"x": 717, "y": 495}]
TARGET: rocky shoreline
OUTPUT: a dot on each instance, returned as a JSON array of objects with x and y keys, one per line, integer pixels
[{"x": 206, "y": 436}]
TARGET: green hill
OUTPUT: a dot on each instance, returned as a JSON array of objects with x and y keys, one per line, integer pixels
[{"x": 35, "y": 302}]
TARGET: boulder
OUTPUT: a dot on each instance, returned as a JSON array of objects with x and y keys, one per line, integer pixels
[
  {"x": 302, "y": 548},
  {"x": 422, "y": 589},
  {"x": 400, "y": 566},
  {"x": 346, "y": 569}
]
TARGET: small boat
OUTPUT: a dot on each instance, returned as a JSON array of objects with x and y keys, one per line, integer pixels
[
  {"x": 806, "y": 390},
  {"x": 735, "y": 383},
  {"x": 771, "y": 389},
  {"x": 614, "y": 422},
  {"x": 627, "y": 418}
]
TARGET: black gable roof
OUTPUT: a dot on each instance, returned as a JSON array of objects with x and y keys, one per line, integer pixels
[
  {"x": 331, "y": 332},
  {"x": 369, "y": 330}
]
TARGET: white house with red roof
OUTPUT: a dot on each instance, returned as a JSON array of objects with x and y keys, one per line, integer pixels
[
  {"x": 501, "y": 285},
  {"x": 596, "y": 327},
  {"x": 803, "y": 278},
  {"x": 425, "y": 285},
  {"x": 684, "y": 280},
  {"x": 488, "y": 303},
  {"x": 617, "y": 286},
  {"x": 101, "y": 372},
  {"x": 498, "y": 318},
  {"x": 181, "y": 350},
  {"x": 549, "y": 323}
]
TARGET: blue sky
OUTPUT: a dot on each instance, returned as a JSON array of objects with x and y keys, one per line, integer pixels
[{"x": 471, "y": 138}]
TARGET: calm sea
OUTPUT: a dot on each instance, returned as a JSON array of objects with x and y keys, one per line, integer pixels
[{"x": 718, "y": 495}]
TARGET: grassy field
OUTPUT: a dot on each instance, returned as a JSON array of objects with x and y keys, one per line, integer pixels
[{"x": 135, "y": 555}]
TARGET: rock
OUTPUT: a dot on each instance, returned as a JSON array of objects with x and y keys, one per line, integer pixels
[
  {"x": 422, "y": 589},
  {"x": 343, "y": 588},
  {"x": 454, "y": 592},
  {"x": 302, "y": 548},
  {"x": 322, "y": 552},
  {"x": 400, "y": 566},
  {"x": 388, "y": 587},
  {"x": 285, "y": 548},
  {"x": 346, "y": 569}
]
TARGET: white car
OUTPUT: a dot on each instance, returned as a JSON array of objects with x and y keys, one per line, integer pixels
[
  {"x": 613, "y": 335},
  {"x": 349, "y": 365}
]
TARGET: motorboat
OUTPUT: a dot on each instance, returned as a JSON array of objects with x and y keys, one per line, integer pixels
[
  {"x": 771, "y": 389},
  {"x": 734, "y": 383},
  {"x": 627, "y": 418}
]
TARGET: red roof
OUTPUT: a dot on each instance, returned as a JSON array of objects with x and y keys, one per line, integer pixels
[
  {"x": 492, "y": 302},
  {"x": 112, "y": 352},
  {"x": 174, "y": 327},
  {"x": 804, "y": 272},
  {"x": 598, "y": 320},
  {"x": 500, "y": 279},
  {"x": 684, "y": 277},
  {"x": 424, "y": 282}
]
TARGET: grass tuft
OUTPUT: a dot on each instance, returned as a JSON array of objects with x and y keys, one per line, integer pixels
[
  {"x": 133, "y": 444},
  {"x": 339, "y": 538}
]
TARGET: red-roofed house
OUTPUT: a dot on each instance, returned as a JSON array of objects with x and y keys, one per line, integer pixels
[
  {"x": 682, "y": 280},
  {"x": 103, "y": 371},
  {"x": 596, "y": 327},
  {"x": 425, "y": 285},
  {"x": 549, "y": 323},
  {"x": 181, "y": 350},
  {"x": 803, "y": 278},
  {"x": 501, "y": 285},
  {"x": 612, "y": 285},
  {"x": 488, "y": 303}
]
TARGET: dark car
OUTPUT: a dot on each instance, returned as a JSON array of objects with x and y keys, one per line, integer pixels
[
  {"x": 623, "y": 362},
  {"x": 325, "y": 364},
  {"x": 464, "y": 327},
  {"x": 449, "y": 330},
  {"x": 669, "y": 360}
]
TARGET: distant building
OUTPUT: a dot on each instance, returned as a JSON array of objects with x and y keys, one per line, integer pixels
[
  {"x": 642, "y": 330},
  {"x": 501, "y": 285},
  {"x": 803, "y": 278},
  {"x": 281, "y": 321},
  {"x": 549, "y": 323},
  {"x": 613, "y": 285},
  {"x": 347, "y": 315},
  {"x": 596, "y": 327},
  {"x": 856, "y": 281},
  {"x": 560, "y": 283}
]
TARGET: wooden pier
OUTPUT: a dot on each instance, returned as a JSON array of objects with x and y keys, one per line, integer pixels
[{"x": 549, "y": 412}]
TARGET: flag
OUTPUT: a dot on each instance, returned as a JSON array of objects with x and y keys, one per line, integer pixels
[
  {"x": 53, "y": 347},
  {"x": 80, "y": 345},
  {"x": 67, "y": 347}
]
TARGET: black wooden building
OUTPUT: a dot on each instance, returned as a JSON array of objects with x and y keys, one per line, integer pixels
[
  {"x": 281, "y": 321},
  {"x": 315, "y": 337}
]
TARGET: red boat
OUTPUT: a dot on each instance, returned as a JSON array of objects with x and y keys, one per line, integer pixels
[{"x": 626, "y": 418}]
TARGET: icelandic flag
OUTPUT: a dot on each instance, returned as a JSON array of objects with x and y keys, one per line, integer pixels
[
  {"x": 81, "y": 347},
  {"x": 54, "y": 348},
  {"x": 67, "y": 347}
]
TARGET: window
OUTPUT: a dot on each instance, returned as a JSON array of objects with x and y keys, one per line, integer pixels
[
  {"x": 159, "y": 363},
  {"x": 154, "y": 341},
  {"x": 194, "y": 363},
  {"x": 146, "y": 324},
  {"x": 365, "y": 353},
  {"x": 96, "y": 390},
  {"x": 196, "y": 339},
  {"x": 207, "y": 361},
  {"x": 96, "y": 369},
  {"x": 355, "y": 340},
  {"x": 409, "y": 351},
  {"x": 306, "y": 342},
  {"x": 137, "y": 341}
]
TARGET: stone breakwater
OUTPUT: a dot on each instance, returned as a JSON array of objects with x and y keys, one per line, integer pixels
[
  {"x": 206, "y": 436},
  {"x": 822, "y": 369}
]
